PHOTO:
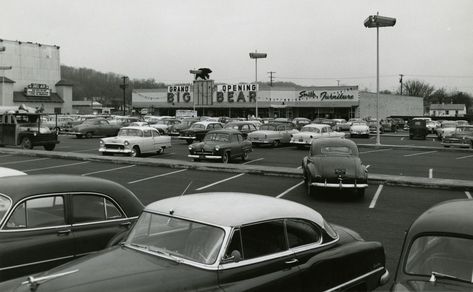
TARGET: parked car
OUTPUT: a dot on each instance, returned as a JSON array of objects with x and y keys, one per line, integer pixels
[
  {"x": 334, "y": 163},
  {"x": 223, "y": 145},
  {"x": 57, "y": 123},
  {"x": 135, "y": 141},
  {"x": 95, "y": 127},
  {"x": 190, "y": 243},
  {"x": 300, "y": 122},
  {"x": 446, "y": 129},
  {"x": 358, "y": 129},
  {"x": 245, "y": 127},
  {"x": 164, "y": 125},
  {"x": 432, "y": 126},
  {"x": 418, "y": 129},
  {"x": 47, "y": 220},
  {"x": 124, "y": 121},
  {"x": 341, "y": 125},
  {"x": 177, "y": 128},
  {"x": 373, "y": 125},
  {"x": 437, "y": 253},
  {"x": 273, "y": 134},
  {"x": 313, "y": 131},
  {"x": 462, "y": 137},
  {"x": 197, "y": 131}
]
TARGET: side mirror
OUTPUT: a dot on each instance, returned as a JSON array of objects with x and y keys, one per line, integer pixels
[{"x": 234, "y": 257}]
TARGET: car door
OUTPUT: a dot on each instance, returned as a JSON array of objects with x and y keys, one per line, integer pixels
[
  {"x": 147, "y": 143},
  {"x": 96, "y": 218},
  {"x": 235, "y": 144},
  {"x": 35, "y": 237},
  {"x": 266, "y": 263}
]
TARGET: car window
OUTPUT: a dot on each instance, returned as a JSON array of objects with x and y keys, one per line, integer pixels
[
  {"x": 239, "y": 137},
  {"x": 281, "y": 128},
  {"x": 235, "y": 244},
  {"x": 89, "y": 208},
  {"x": 38, "y": 212},
  {"x": 263, "y": 239},
  {"x": 301, "y": 232},
  {"x": 252, "y": 128},
  {"x": 147, "y": 133},
  {"x": 218, "y": 126},
  {"x": 335, "y": 150},
  {"x": 155, "y": 133},
  {"x": 245, "y": 128}
]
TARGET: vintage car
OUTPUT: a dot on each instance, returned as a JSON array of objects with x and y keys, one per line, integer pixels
[
  {"x": 313, "y": 131},
  {"x": 359, "y": 128},
  {"x": 190, "y": 243},
  {"x": 462, "y": 137},
  {"x": 135, "y": 141},
  {"x": 245, "y": 127},
  {"x": 273, "y": 134},
  {"x": 57, "y": 123},
  {"x": 373, "y": 125},
  {"x": 335, "y": 164},
  {"x": 47, "y": 220},
  {"x": 418, "y": 129},
  {"x": 446, "y": 129},
  {"x": 176, "y": 129},
  {"x": 437, "y": 254},
  {"x": 341, "y": 125},
  {"x": 222, "y": 145},
  {"x": 300, "y": 122},
  {"x": 164, "y": 125},
  {"x": 95, "y": 127},
  {"x": 198, "y": 130},
  {"x": 124, "y": 121}
]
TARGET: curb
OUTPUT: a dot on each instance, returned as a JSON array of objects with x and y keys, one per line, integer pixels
[{"x": 394, "y": 180}]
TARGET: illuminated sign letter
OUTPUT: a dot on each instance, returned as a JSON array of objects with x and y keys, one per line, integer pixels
[
  {"x": 241, "y": 97},
  {"x": 252, "y": 96},
  {"x": 170, "y": 97},
  {"x": 219, "y": 96},
  {"x": 186, "y": 97},
  {"x": 230, "y": 96}
]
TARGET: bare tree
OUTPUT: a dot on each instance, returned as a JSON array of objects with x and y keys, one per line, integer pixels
[{"x": 418, "y": 88}]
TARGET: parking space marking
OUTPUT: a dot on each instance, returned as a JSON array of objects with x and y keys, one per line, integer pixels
[
  {"x": 368, "y": 166},
  {"x": 378, "y": 150},
  {"x": 6, "y": 155},
  {"x": 431, "y": 172},
  {"x": 156, "y": 176},
  {"x": 56, "y": 166},
  {"x": 289, "y": 189},
  {"x": 220, "y": 181},
  {"x": 107, "y": 170},
  {"x": 254, "y": 160},
  {"x": 376, "y": 195},
  {"x": 421, "y": 153},
  {"x": 468, "y": 195},
  {"x": 463, "y": 157},
  {"x": 29, "y": 160}
]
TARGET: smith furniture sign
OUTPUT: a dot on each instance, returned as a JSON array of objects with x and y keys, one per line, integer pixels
[{"x": 345, "y": 94}]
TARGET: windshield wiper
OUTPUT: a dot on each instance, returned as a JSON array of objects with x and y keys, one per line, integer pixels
[
  {"x": 437, "y": 275},
  {"x": 167, "y": 254},
  {"x": 140, "y": 246}
]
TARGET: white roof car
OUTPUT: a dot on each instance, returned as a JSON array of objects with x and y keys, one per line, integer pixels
[{"x": 314, "y": 131}]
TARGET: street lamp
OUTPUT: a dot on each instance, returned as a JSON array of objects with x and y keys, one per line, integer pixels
[
  {"x": 370, "y": 22},
  {"x": 257, "y": 56},
  {"x": 124, "y": 86}
]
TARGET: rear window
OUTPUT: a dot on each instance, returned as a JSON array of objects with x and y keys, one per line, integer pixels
[{"x": 335, "y": 150}]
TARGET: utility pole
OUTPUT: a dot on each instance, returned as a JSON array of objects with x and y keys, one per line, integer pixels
[
  {"x": 400, "y": 81},
  {"x": 124, "y": 86},
  {"x": 271, "y": 78}
]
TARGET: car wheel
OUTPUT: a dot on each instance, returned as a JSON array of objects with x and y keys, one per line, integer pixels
[
  {"x": 160, "y": 150},
  {"x": 26, "y": 143},
  {"x": 79, "y": 136},
  {"x": 135, "y": 152},
  {"x": 275, "y": 143},
  {"x": 225, "y": 157},
  {"x": 189, "y": 141},
  {"x": 88, "y": 135},
  {"x": 196, "y": 159},
  {"x": 107, "y": 154},
  {"x": 244, "y": 156},
  {"x": 49, "y": 147}
]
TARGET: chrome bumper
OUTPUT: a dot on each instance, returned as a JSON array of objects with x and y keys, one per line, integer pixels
[
  {"x": 340, "y": 185},
  {"x": 186, "y": 138},
  {"x": 204, "y": 156},
  {"x": 125, "y": 151}
]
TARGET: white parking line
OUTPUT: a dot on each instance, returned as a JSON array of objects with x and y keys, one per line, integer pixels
[
  {"x": 29, "y": 160},
  {"x": 431, "y": 172},
  {"x": 379, "y": 150},
  {"x": 368, "y": 166},
  {"x": 463, "y": 157},
  {"x": 468, "y": 195},
  {"x": 376, "y": 195},
  {"x": 421, "y": 153},
  {"x": 251, "y": 161},
  {"x": 107, "y": 170},
  {"x": 159, "y": 175},
  {"x": 56, "y": 166},
  {"x": 289, "y": 189},
  {"x": 219, "y": 182},
  {"x": 6, "y": 155}
]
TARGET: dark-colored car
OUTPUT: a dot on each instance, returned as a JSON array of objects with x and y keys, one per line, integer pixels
[
  {"x": 300, "y": 122},
  {"x": 95, "y": 127},
  {"x": 176, "y": 129},
  {"x": 198, "y": 130},
  {"x": 190, "y": 243},
  {"x": 462, "y": 137},
  {"x": 418, "y": 129},
  {"x": 437, "y": 253},
  {"x": 222, "y": 145},
  {"x": 244, "y": 127},
  {"x": 334, "y": 163},
  {"x": 47, "y": 220}
]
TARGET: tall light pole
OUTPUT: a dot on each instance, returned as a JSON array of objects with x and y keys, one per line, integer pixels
[
  {"x": 257, "y": 56},
  {"x": 370, "y": 22},
  {"x": 123, "y": 86}
]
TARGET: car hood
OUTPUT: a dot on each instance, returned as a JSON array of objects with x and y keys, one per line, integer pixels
[
  {"x": 120, "y": 140},
  {"x": 326, "y": 166},
  {"x": 120, "y": 269},
  {"x": 421, "y": 286},
  {"x": 262, "y": 133},
  {"x": 359, "y": 128},
  {"x": 306, "y": 135},
  {"x": 208, "y": 145}
]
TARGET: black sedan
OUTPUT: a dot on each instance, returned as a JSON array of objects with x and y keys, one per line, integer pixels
[
  {"x": 197, "y": 131},
  {"x": 222, "y": 145},
  {"x": 437, "y": 253},
  {"x": 47, "y": 220},
  {"x": 244, "y": 127},
  {"x": 192, "y": 242},
  {"x": 334, "y": 163}
]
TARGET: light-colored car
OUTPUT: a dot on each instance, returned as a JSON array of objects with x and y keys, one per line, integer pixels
[
  {"x": 273, "y": 134},
  {"x": 358, "y": 129},
  {"x": 5, "y": 171},
  {"x": 313, "y": 131},
  {"x": 164, "y": 125},
  {"x": 447, "y": 128},
  {"x": 135, "y": 141}
]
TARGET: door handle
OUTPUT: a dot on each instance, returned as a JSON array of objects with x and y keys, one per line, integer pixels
[
  {"x": 292, "y": 261},
  {"x": 125, "y": 224},
  {"x": 63, "y": 232}
]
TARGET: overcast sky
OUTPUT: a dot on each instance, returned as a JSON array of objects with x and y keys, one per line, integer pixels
[{"x": 308, "y": 42}]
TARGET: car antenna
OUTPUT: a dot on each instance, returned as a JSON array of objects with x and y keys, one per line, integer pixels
[{"x": 171, "y": 212}]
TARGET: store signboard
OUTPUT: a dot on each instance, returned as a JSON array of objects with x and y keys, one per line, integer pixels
[
  {"x": 237, "y": 87},
  {"x": 37, "y": 89},
  {"x": 332, "y": 95}
]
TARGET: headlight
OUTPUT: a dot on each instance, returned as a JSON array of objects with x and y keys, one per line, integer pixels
[
  {"x": 190, "y": 147},
  {"x": 102, "y": 142},
  {"x": 217, "y": 147},
  {"x": 126, "y": 143}
]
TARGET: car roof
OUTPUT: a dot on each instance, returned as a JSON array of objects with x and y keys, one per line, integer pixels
[
  {"x": 139, "y": 128},
  {"x": 454, "y": 216},
  {"x": 319, "y": 126},
  {"x": 20, "y": 187},
  {"x": 317, "y": 144},
  {"x": 231, "y": 209},
  {"x": 227, "y": 131},
  {"x": 205, "y": 123}
]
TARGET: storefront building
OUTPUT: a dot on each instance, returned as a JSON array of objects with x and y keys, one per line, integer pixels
[
  {"x": 244, "y": 100},
  {"x": 30, "y": 74}
]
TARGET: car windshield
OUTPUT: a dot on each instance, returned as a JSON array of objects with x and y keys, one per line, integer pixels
[
  {"x": 130, "y": 133},
  {"x": 310, "y": 129},
  {"x": 446, "y": 255},
  {"x": 335, "y": 150},
  {"x": 176, "y": 238},
  {"x": 231, "y": 126},
  {"x": 217, "y": 137},
  {"x": 268, "y": 127},
  {"x": 358, "y": 124},
  {"x": 5, "y": 203},
  {"x": 197, "y": 126}
]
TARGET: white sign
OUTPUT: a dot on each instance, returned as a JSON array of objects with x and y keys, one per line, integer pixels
[
  {"x": 179, "y": 88},
  {"x": 237, "y": 87}
]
